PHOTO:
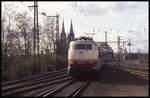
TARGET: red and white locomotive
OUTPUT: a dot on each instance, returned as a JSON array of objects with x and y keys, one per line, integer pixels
[{"x": 83, "y": 55}]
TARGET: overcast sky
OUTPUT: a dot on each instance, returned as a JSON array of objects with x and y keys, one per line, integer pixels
[{"x": 126, "y": 19}]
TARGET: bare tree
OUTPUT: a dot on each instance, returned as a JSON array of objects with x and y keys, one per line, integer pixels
[
  {"x": 7, "y": 37},
  {"x": 7, "y": 30},
  {"x": 23, "y": 24},
  {"x": 49, "y": 34}
]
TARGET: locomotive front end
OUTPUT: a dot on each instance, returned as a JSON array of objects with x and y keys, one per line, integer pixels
[{"x": 83, "y": 57}]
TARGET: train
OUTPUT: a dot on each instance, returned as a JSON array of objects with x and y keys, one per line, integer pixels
[
  {"x": 83, "y": 56},
  {"x": 106, "y": 52}
]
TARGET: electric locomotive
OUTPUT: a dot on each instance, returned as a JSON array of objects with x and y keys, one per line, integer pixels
[{"x": 83, "y": 56}]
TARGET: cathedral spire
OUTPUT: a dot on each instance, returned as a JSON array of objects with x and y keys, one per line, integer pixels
[
  {"x": 71, "y": 34},
  {"x": 63, "y": 34},
  {"x": 63, "y": 44},
  {"x": 71, "y": 27},
  {"x": 63, "y": 27}
]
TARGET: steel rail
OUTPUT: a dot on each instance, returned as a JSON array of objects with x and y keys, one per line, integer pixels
[
  {"x": 48, "y": 76},
  {"x": 78, "y": 91},
  {"x": 137, "y": 73},
  {"x": 141, "y": 72},
  {"x": 33, "y": 83},
  {"x": 37, "y": 87},
  {"x": 55, "y": 89},
  {"x": 29, "y": 78}
]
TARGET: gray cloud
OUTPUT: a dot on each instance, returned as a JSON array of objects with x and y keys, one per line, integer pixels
[
  {"x": 91, "y": 9},
  {"x": 96, "y": 11},
  {"x": 122, "y": 6},
  {"x": 99, "y": 9}
]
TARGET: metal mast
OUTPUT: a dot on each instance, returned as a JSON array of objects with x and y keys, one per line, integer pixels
[
  {"x": 37, "y": 25},
  {"x": 106, "y": 36},
  {"x": 36, "y": 30},
  {"x": 129, "y": 44},
  {"x": 57, "y": 38}
]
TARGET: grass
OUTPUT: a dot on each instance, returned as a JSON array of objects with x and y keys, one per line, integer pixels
[{"x": 23, "y": 66}]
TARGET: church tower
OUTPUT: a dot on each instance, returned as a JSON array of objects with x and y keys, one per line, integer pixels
[
  {"x": 63, "y": 34},
  {"x": 71, "y": 34},
  {"x": 63, "y": 43}
]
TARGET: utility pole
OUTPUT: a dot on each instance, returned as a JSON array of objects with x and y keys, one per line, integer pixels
[
  {"x": 37, "y": 27},
  {"x": 124, "y": 51},
  {"x": 36, "y": 30},
  {"x": 57, "y": 38},
  {"x": 106, "y": 36},
  {"x": 123, "y": 45},
  {"x": 93, "y": 33},
  {"x": 118, "y": 48},
  {"x": 129, "y": 44},
  {"x": 118, "y": 44}
]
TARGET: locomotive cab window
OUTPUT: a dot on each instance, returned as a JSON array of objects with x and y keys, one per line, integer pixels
[{"x": 82, "y": 46}]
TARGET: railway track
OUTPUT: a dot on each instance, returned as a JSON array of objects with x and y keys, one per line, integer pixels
[
  {"x": 79, "y": 90},
  {"x": 14, "y": 92},
  {"x": 141, "y": 74},
  {"x": 76, "y": 91},
  {"x": 36, "y": 79},
  {"x": 17, "y": 87},
  {"x": 31, "y": 78}
]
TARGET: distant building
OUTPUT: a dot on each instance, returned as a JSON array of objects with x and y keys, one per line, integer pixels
[
  {"x": 70, "y": 36},
  {"x": 136, "y": 56},
  {"x": 63, "y": 43},
  {"x": 65, "y": 40}
]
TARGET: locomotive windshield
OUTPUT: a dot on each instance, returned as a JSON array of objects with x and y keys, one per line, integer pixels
[{"x": 82, "y": 46}]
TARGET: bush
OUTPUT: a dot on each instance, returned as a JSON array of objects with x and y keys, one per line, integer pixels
[
  {"x": 20, "y": 67},
  {"x": 23, "y": 66}
]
